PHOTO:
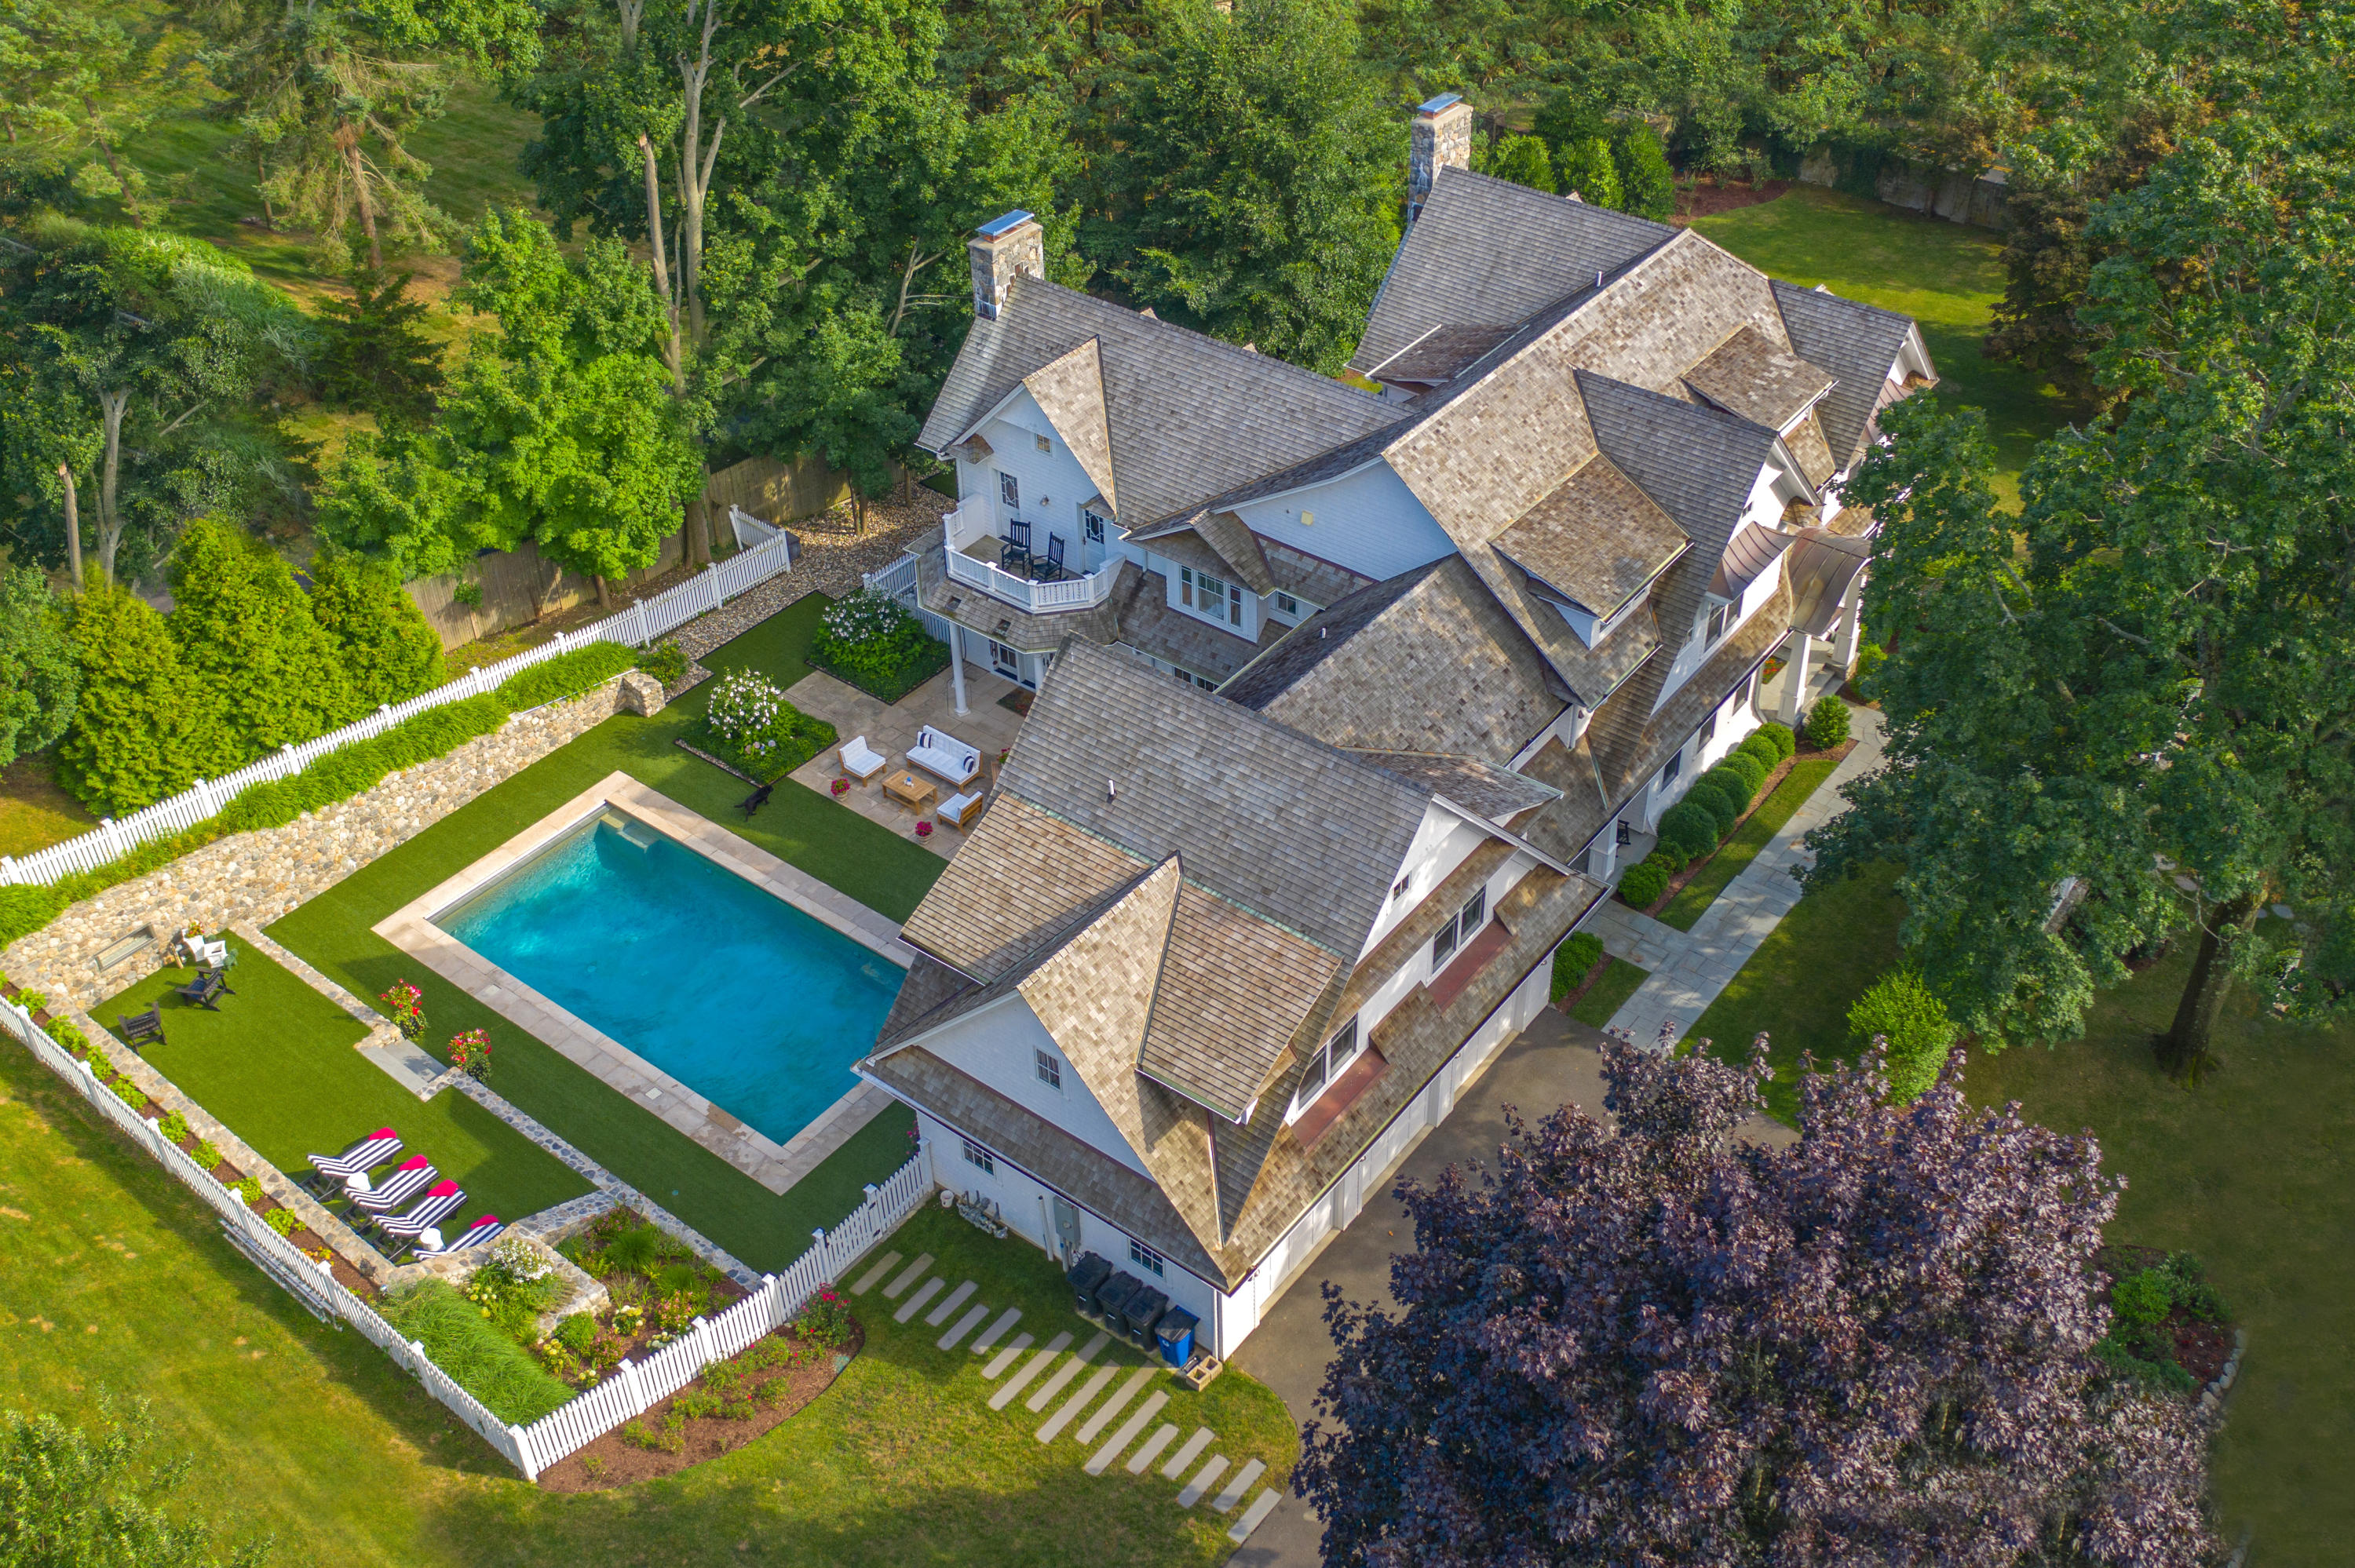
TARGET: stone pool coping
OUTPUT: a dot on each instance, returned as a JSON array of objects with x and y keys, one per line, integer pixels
[{"x": 774, "y": 1165}]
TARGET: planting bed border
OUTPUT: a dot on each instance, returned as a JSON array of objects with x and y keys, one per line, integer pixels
[{"x": 1836, "y": 756}]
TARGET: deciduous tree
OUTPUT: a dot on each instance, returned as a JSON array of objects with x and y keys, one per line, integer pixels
[
  {"x": 1658, "y": 1344},
  {"x": 90, "y": 1498},
  {"x": 39, "y": 681}
]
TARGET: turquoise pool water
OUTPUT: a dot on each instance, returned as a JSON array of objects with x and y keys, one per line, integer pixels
[{"x": 737, "y": 994}]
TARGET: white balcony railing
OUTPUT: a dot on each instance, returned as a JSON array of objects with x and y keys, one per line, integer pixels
[{"x": 1037, "y": 598}]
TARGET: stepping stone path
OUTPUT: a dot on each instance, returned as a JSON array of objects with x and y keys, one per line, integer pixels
[{"x": 921, "y": 1292}]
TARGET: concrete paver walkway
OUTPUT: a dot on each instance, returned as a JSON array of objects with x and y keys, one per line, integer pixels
[{"x": 1690, "y": 968}]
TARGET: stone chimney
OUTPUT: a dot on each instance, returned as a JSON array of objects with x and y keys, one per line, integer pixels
[
  {"x": 1000, "y": 249},
  {"x": 1442, "y": 137}
]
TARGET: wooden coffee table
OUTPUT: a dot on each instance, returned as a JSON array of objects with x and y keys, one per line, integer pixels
[{"x": 910, "y": 790}]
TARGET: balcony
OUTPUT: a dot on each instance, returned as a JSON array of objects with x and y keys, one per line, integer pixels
[{"x": 973, "y": 555}]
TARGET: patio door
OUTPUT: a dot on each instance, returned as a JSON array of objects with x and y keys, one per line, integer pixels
[{"x": 1005, "y": 659}]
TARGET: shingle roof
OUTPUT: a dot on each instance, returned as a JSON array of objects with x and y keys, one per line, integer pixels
[
  {"x": 1439, "y": 356},
  {"x": 1318, "y": 581},
  {"x": 1150, "y": 625},
  {"x": 1233, "y": 993},
  {"x": 1858, "y": 343},
  {"x": 1596, "y": 538},
  {"x": 1293, "y": 830},
  {"x": 1021, "y": 879},
  {"x": 1757, "y": 379},
  {"x": 1070, "y": 391},
  {"x": 1486, "y": 252},
  {"x": 1499, "y": 794},
  {"x": 1697, "y": 464},
  {"x": 1189, "y": 417},
  {"x": 944, "y": 595},
  {"x": 1427, "y": 661}
]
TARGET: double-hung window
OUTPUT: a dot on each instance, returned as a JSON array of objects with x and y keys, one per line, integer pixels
[
  {"x": 1326, "y": 1064},
  {"x": 1051, "y": 1069},
  {"x": 1719, "y": 617},
  {"x": 1461, "y": 928},
  {"x": 1286, "y": 605},
  {"x": 1208, "y": 596}
]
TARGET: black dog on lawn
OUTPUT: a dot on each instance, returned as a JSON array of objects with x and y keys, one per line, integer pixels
[{"x": 755, "y": 801}]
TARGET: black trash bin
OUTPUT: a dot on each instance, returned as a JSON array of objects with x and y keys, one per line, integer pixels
[
  {"x": 1084, "y": 1276},
  {"x": 1113, "y": 1294},
  {"x": 1142, "y": 1312},
  {"x": 1176, "y": 1332}
]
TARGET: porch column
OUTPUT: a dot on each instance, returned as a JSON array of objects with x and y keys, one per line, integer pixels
[
  {"x": 1798, "y": 650},
  {"x": 1851, "y": 630},
  {"x": 956, "y": 664}
]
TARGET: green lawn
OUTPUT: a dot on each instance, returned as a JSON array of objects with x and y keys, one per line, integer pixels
[
  {"x": 1947, "y": 276},
  {"x": 1799, "y": 984},
  {"x": 1610, "y": 993},
  {"x": 34, "y": 811},
  {"x": 832, "y": 843},
  {"x": 276, "y": 1063},
  {"x": 112, "y": 1277},
  {"x": 1754, "y": 835}
]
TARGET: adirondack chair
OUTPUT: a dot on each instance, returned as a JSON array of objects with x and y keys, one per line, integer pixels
[
  {"x": 208, "y": 985},
  {"x": 1014, "y": 546},
  {"x": 146, "y": 1026}
]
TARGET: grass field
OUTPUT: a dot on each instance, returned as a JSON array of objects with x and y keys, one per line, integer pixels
[
  {"x": 115, "y": 1280},
  {"x": 276, "y": 1063},
  {"x": 1946, "y": 275},
  {"x": 1610, "y": 993},
  {"x": 34, "y": 811},
  {"x": 1742, "y": 847},
  {"x": 881, "y": 870}
]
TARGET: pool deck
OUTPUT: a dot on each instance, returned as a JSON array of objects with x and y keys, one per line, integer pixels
[
  {"x": 775, "y": 1166},
  {"x": 890, "y": 728}
]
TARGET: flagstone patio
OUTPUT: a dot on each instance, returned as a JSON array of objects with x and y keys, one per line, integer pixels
[{"x": 890, "y": 728}]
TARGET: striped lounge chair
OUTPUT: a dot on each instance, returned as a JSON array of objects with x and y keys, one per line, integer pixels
[
  {"x": 441, "y": 1201},
  {"x": 358, "y": 1160},
  {"x": 381, "y": 1198},
  {"x": 482, "y": 1233}
]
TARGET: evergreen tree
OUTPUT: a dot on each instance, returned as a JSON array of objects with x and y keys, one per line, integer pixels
[
  {"x": 1523, "y": 160},
  {"x": 1586, "y": 166},
  {"x": 39, "y": 682},
  {"x": 376, "y": 362},
  {"x": 1648, "y": 185},
  {"x": 390, "y": 651},
  {"x": 267, "y": 674},
  {"x": 131, "y": 742}
]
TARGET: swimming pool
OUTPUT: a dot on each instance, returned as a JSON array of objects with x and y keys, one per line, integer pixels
[{"x": 754, "y": 1005}]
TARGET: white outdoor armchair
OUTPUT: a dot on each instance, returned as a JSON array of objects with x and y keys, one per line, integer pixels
[{"x": 861, "y": 761}]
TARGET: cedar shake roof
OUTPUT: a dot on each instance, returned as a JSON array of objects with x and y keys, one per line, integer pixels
[
  {"x": 1812, "y": 452},
  {"x": 1187, "y": 417},
  {"x": 1439, "y": 356},
  {"x": 1306, "y": 577},
  {"x": 1564, "y": 829},
  {"x": 1291, "y": 829},
  {"x": 1630, "y": 742},
  {"x": 1487, "y": 251},
  {"x": 1069, "y": 392},
  {"x": 1697, "y": 464},
  {"x": 1427, "y": 661},
  {"x": 1015, "y": 627},
  {"x": 1751, "y": 378},
  {"x": 1499, "y": 794},
  {"x": 1595, "y": 540},
  {"x": 1233, "y": 992},
  {"x": 1021, "y": 878},
  {"x": 1858, "y": 343},
  {"x": 1150, "y": 624},
  {"x": 1237, "y": 546}
]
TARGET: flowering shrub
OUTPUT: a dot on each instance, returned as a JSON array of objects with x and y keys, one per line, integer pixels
[
  {"x": 405, "y": 1005},
  {"x": 471, "y": 1053},
  {"x": 750, "y": 724},
  {"x": 875, "y": 642},
  {"x": 826, "y": 1319}
]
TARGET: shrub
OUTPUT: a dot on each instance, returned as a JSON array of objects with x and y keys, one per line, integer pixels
[
  {"x": 665, "y": 661},
  {"x": 1827, "y": 723},
  {"x": 750, "y": 724},
  {"x": 577, "y": 1333},
  {"x": 1580, "y": 952},
  {"x": 1760, "y": 750},
  {"x": 390, "y": 651},
  {"x": 474, "y": 1354},
  {"x": 566, "y": 675},
  {"x": 129, "y": 1093},
  {"x": 874, "y": 641},
  {"x": 1780, "y": 737},
  {"x": 669, "y": 1438},
  {"x": 2142, "y": 1300},
  {"x": 174, "y": 1126},
  {"x": 1900, "y": 1006},
  {"x": 1753, "y": 771},
  {"x": 282, "y": 1221},
  {"x": 205, "y": 1154},
  {"x": 1647, "y": 184},
  {"x": 825, "y": 1318},
  {"x": 1692, "y": 826},
  {"x": 635, "y": 1250},
  {"x": 1869, "y": 661},
  {"x": 1714, "y": 798},
  {"x": 1643, "y": 885},
  {"x": 131, "y": 741},
  {"x": 1524, "y": 161},
  {"x": 247, "y": 1188}
]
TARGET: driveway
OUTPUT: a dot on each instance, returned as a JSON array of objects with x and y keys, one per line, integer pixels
[{"x": 1554, "y": 1060}]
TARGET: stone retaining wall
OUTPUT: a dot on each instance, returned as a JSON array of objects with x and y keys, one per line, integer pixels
[{"x": 258, "y": 877}]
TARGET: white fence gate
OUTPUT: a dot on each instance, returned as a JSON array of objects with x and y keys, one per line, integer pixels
[
  {"x": 636, "y": 626},
  {"x": 631, "y": 1388}
]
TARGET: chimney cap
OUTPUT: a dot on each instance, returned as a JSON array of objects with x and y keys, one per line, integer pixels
[
  {"x": 1444, "y": 100},
  {"x": 998, "y": 227}
]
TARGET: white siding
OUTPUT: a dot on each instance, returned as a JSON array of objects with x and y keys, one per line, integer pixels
[
  {"x": 1737, "y": 717},
  {"x": 1768, "y": 494},
  {"x": 995, "y": 1045},
  {"x": 1053, "y": 483},
  {"x": 1368, "y": 521}
]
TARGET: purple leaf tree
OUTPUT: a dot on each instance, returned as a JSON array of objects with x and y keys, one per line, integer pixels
[{"x": 1660, "y": 1346}]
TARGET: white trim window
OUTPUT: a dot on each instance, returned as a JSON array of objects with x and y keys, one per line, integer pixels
[
  {"x": 1209, "y": 597},
  {"x": 1721, "y": 618},
  {"x": 978, "y": 1157},
  {"x": 1145, "y": 1258},
  {"x": 1459, "y": 931},
  {"x": 1050, "y": 1067},
  {"x": 1286, "y": 605},
  {"x": 1331, "y": 1060}
]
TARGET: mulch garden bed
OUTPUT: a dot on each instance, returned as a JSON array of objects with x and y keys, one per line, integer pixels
[
  {"x": 1708, "y": 198},
  {"x": 2201, "y": 1348},
  {"x": 615, "y": 1460},
  {"x": 1837, "y": 754}
]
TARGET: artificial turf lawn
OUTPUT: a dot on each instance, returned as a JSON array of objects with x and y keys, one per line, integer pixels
[
  {"x": 1754, "y": 835},
  {"x": 113, "y": 1278},
  {"x": 276, "y": 1063},
  {"x": 837, "y": 845},
  {"x": 1947, "y": 276},
  {"x": 1609, "y": 994}
]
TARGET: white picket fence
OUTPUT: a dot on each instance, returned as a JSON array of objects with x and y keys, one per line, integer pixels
[
  {"x": 636, "y": 626},
  {"x": 625, "y": 1394}
]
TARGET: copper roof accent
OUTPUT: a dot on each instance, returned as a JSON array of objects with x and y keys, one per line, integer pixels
[
  {"x": 1758, "y": 380},
  {"x": 1427, "y": 661},
  {"x": 1439, "y": 356},
  {"x": 1017, "y": 881},
  {"x": 1821, "y": 566},
  {"x": 1069, "y": 392},
  {"x": 1596, "y": 538},
  {"x": 1752, "y": 552}
]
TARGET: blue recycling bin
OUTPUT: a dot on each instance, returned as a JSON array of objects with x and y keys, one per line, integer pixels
[{"x": 1176, "y": 1332}]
